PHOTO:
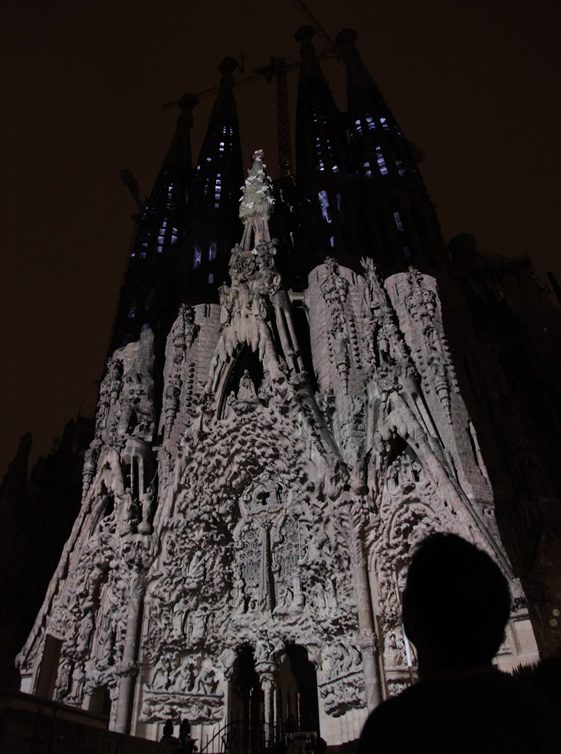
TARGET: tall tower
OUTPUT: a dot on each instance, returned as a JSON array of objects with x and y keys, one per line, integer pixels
[
  {"x": 395, "y": 216},
  {"x": 239, "y": 555},
  {"x": 159, "y": 243},
  {"x": 213, "y": 212},
  {"x": 321, "y": 160}
]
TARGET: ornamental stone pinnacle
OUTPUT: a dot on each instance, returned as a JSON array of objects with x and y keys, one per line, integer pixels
[{"x": 255, "y": 204}]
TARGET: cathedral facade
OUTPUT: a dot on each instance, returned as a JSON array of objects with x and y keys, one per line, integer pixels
[{"x": 272, "y": 442}]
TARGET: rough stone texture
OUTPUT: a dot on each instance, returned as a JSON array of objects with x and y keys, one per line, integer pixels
[{"x": 263, "y": 515}]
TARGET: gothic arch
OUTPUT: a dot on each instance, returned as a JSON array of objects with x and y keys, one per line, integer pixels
[{"x": 244, "y": 359}]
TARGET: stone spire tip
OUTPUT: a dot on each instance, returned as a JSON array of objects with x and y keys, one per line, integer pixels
[
  {"x": 346, "y": 38},
  {"x": 256, "y": 202},
  {"x": 304, "y": 35}
]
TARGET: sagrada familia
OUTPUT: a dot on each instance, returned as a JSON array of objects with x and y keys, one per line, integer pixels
[{"x": 302, "y": 385}]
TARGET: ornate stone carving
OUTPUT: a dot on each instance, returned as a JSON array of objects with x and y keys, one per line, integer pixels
[
  {"x": 344, "y": 688},
  {"x": 433, "y": 352},
  {"x": 256, "y": 203},
  {"x": 289, "y": 588},
  {"x": 386, "y": 352},
  {"x": 197, "y": 708},
  {"x": 268, "y": 516},
  {"x": 335, "y": 289}
]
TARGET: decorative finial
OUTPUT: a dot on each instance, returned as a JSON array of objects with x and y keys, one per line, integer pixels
[
  {"x": 346, "y": 38},
  {"x": 304, "y": 35},
  {"x": 228, "y": 66},
  {"x": 188, "y": 102},
  {"x": 256, "y": 203}
]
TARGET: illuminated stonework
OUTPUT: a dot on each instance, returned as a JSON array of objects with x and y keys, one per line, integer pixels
[{"x": 275, "y": 517}]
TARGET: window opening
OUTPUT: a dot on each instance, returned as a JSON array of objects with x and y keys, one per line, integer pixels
[{"x": 382, "y": 167}]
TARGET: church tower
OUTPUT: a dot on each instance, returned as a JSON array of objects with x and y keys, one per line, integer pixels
[
  {"x": 239, "y": 554},
  {"x": 395, "y": 216},
  {"x": 159, "y": 241},
  {"x": 213, "y": 225}
]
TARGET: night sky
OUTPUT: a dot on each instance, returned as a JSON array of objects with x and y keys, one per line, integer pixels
[{"x": 476, "y": 84}]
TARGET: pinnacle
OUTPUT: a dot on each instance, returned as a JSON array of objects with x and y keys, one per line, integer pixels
[
  {"x": 346, "y": 37},
  {"x": 228, "y": 65},
  {"x": 256, "y": 203},
  {"x": 304, "y": 34}
]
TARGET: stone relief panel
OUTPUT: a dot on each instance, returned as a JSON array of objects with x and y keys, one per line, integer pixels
[
  {"x": 289, "y": 596},
  {"x": 184, "y": 686},
  {"x": 342, "y": 674},
  {"x": 248, "y": 582}
]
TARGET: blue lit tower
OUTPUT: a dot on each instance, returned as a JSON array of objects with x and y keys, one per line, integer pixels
[
  {"x": 145, "y": 299},
  {"x": 321, "y": 160},
  {"x": 214, "y": 225},
  {"x": 396, "y": 218}
]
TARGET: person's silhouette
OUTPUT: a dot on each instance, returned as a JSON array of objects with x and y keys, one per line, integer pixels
[{"x": 456, "y": 605}]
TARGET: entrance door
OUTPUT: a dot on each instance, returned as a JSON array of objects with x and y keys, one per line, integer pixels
[
  {"x": 245, "y": 732},
  {"x": 297, "y": 694},
  {"x": 294, "y": 725}
]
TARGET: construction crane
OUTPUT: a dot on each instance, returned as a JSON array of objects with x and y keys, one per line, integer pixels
[{"x": 132, "y": 184}]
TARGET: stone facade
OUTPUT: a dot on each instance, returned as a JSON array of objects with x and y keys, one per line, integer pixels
[{"x": 245, "y": 506}]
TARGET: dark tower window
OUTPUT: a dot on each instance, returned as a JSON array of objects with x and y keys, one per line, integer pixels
[
  {"x": 398, "y": 222},
  {"x": 382, "y": 167},
  {"x": 325, "y": 208}
]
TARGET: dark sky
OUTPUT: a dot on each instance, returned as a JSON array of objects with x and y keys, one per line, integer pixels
[{"x": 475, "y": 83}]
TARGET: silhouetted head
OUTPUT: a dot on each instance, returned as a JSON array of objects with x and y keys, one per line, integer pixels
[
  {"x": 455, "y": 605},
  {"x": 168, "y": 729},
  {"x": 184, "y": 728}
]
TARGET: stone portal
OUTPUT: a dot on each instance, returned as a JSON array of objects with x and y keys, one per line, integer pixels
[{"x": 272, "y": 704}]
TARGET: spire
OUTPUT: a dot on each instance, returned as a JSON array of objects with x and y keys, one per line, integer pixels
[
  {"x": 163, "y": 220},
  {"x": 179, "y": 151},
  {"x": 256, "y": 203},
  {"x": 219, "y": 171},
  {"x": 321, "y": 157},
  {"x": 214, "y": 225},
  {"x": 378, "y": 148},
  {"x": 246, "y": 304},
  {"x": 159, "y": 235},
  {"x": 396, "y": 220},
  {"x": 320, "y": 144}
]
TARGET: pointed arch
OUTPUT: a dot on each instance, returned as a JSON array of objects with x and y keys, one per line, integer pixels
[{"x": 244, "y": 360}]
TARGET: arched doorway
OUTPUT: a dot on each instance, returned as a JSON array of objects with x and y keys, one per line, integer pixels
[
  {"x": 273, "y": 709},
  {"x": 245, "y": 731},
  {"x": 297, "y": 692}
]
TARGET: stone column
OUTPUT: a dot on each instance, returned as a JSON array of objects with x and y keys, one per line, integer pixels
[
  {"x": 281, "y": 328},
  {"x": 366, "y": 623},
  {"x": 128, "y": 668},
  {"x": 269, "y": 686},
  {"x": 267, "y": 598}
]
